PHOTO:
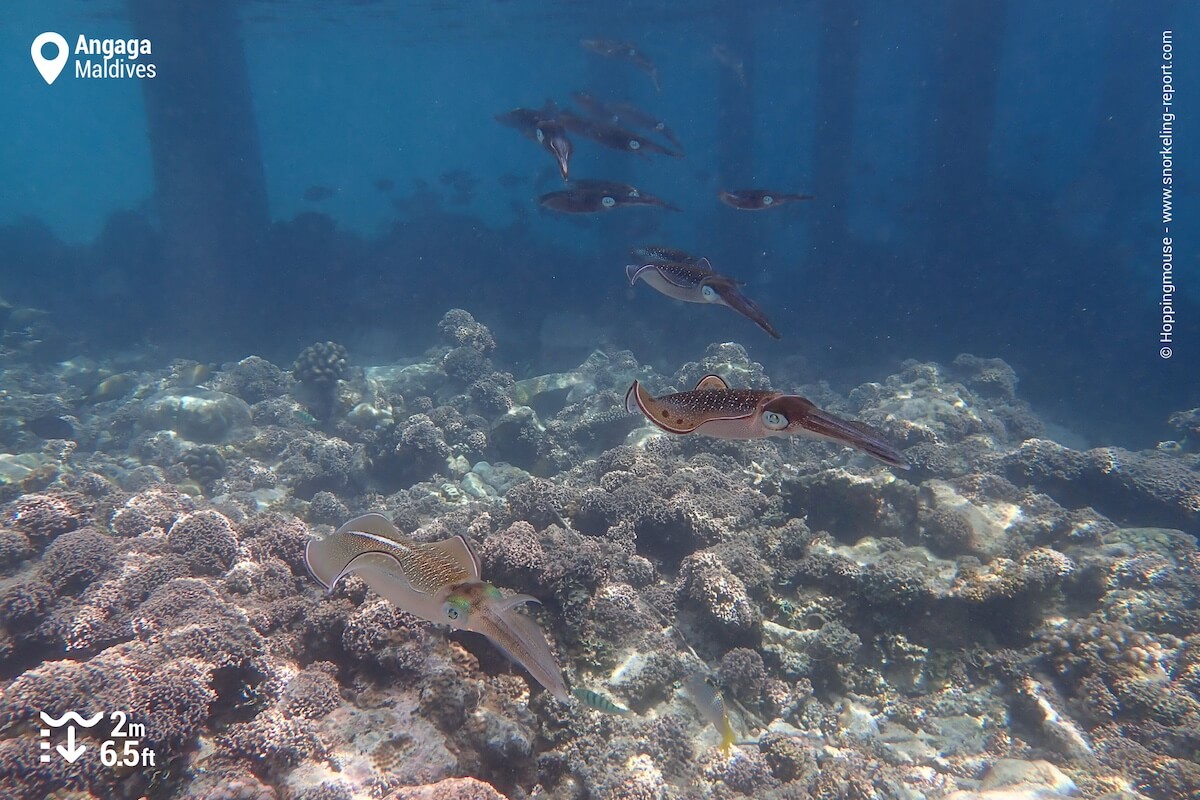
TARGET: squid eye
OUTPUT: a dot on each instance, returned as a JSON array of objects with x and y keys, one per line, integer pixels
[
  {"x": 541, "y": 137},
  {"x": 709, "y": 293},
  {"x": 767, "y": 199},
  {"x": 607, "y": 201},
  {"x": 634, "y": 144},
  {"x": 774, "y": 420},
  {"x": 454, "y": 610}
]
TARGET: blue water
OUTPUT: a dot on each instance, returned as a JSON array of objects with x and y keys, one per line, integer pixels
[{"x": 984, "y": 182}]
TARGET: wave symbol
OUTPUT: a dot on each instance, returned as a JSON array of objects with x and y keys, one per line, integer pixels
[{"x": 71, "y": 715}]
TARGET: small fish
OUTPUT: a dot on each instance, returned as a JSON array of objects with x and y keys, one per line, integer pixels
[
  {"x": 758, "y": 199},
  {"x": 713, "y": 409},
  {"x": 192, "y": 375},
  {"x": 725, "y": 56},
  {"x": 50, "y": 427},
  {"x": 111, "y": 388},
  {"x": 657, "y": 254},
  {"x": 438, "y": 582},
  {"x": 624, "y": 51},
  {"x": 704, "y": 693},
  {"x": 593, "y": 699},
  {"x": 698, "y": 283},
  {"x": 305, "y": 418},
  {"x": 317, "y": 194},
  {"x": 458, "y": 179}
]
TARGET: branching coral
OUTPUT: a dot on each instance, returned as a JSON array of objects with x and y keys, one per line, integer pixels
[
  {"x": 460, "y": 329},
  {"x": 156, "y": 508},
  {"x": 15, "y": 547},
  {"x": 42, "y": 517},
  {"x": 272, "y": 740},
  {"x": 253, "y": 379},
  {"x": 381, "y": 634},
  {"x": 75, "y": 559},
  {"x": 206, "y": 539},
  {"x": 720, "y": 596},
  {"x": 311, "y": 694}
]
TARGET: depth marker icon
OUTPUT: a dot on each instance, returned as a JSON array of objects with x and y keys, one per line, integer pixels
[{"x": 71, "y": 751}]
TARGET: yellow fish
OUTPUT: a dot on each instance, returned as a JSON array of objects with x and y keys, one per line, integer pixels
[{"x": 703, "y": 692}]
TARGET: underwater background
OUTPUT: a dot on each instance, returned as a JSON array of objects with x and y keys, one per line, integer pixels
[{"x": 932, "y": 534}]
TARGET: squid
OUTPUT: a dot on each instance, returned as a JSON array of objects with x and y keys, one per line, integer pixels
[
  {"x": 625, "y": 51},
  {"x": 758, "y": 199},
  {"x": 438, "y": 582},
  {"x": 694, "y": 281},
  {"x": 713, "y": 409}
]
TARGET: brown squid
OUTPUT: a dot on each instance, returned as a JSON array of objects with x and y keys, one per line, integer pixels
[{"x": 713, "y": 409}]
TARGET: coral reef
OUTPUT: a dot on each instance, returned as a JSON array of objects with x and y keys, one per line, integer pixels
[
  {"x": 450, "y": 789},
  {"x": 155, "y": 509},
  {"x": 948, "y": 406},
  {"x": 1010, "y": 618},
  {"x": 42, "y": 517},
  {"x": 1142, "y": 488},
  {"x": 204, "y": 464},
  {"x": 75, "y": 559},
  {"x": 253, "y": 379},
  {"x": 720, "y": 597},
  {"x": 318, "y": 370},
  {"x": 15, "y": 547},
  {"x": 207, "y": 541},
  {"x": 321, "y": 364},
  {"x": 743, "y": 674},
  {"x": 413, "y": 451},
  {"x": 459, "y": 329},
  {"x": 200, "y": 415},
  {"x": 729, "y": 360}
]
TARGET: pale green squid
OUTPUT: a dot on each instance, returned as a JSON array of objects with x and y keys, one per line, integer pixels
[{"x": 438, "y": 582}]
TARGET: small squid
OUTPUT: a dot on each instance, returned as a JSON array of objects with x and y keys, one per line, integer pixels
[
  {"x": 758, "y": 199},
  {"x": 438, "y": 582},
  {"x": 713, "y": 409}
]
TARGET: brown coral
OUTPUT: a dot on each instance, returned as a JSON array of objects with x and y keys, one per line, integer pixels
[
  {"x": 206, "y": 539},
  {"x": 449, "y": 789},
  {"x": 44, "y": 516},
  {"x": 75, "y": 559},
  {"x": 720, "y": 596}
]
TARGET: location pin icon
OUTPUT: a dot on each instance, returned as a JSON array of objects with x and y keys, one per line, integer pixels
[{"x": 49, "y": 67}]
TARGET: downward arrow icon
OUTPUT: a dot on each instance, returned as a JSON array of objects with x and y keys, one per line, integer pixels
[{"x": 71, "y": 751}]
